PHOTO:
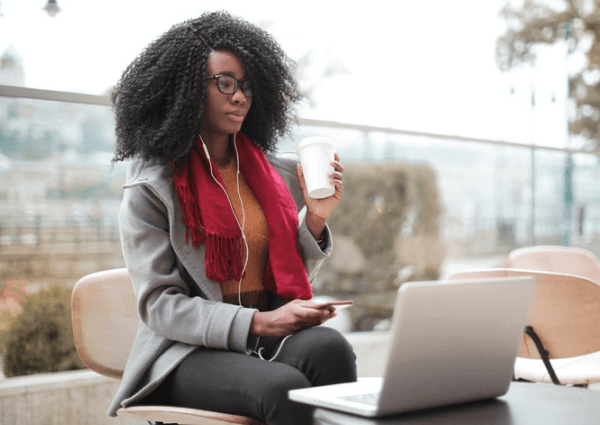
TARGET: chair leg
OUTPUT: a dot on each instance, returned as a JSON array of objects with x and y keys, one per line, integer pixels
[{"x": 544, "y": 354}]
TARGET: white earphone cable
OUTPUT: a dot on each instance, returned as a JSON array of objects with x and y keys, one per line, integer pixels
[
  {"x": 242, "y": 225},
  {"x": 260, "y": 351}
]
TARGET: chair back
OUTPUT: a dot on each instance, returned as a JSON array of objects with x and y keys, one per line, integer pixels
[
  {"x": 105, "y": 320},
  {"x": 565, "y": 311},
  {"x": 552, "y": 258}
]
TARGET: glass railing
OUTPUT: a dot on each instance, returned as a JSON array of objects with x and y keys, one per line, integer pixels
[{"x": 451, "y": 198}]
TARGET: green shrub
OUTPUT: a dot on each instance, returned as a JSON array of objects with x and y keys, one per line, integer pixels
[
  {"x": 40, "y": 338},
  {"x": 386, "y": 230},
  {"x": 387, "y": 208}
]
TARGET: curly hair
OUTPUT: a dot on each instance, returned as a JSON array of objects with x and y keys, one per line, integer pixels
[{"x": 160, "y": 99}]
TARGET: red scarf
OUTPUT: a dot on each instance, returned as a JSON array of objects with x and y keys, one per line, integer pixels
[{"x": 208, "y": 217}]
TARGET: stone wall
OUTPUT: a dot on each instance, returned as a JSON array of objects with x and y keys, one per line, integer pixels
[
  {"x": 67, "y": 398},
  {"x": 62, "y": 263}
]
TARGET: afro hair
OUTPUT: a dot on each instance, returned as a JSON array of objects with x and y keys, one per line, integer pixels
[{"x": 160, "y": 99}]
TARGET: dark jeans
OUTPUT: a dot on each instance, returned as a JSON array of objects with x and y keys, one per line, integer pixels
[{"x": 235, "y": 383}]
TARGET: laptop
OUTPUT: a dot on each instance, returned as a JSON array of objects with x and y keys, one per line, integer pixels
[{"x": 452, "y": 342}]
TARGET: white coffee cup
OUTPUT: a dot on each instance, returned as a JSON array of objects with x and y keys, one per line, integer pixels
[{"x": 316, "y": 155}]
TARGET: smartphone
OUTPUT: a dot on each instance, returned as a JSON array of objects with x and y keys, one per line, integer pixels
[{"x": 337, "y": 304}]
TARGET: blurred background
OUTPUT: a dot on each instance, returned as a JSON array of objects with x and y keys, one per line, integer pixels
[{"x": 467, "y": 129}]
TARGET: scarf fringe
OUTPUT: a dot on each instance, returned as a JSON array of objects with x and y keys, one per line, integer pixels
[
  {"x": 223, "y": 258},
  {"x": 285, "y": 274},
  {"x": 223, "y": 254}
]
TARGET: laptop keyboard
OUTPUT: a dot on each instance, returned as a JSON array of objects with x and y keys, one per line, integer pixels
[{"x": 370, "y": 398}]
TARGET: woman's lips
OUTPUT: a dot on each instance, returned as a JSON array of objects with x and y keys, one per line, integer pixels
[{"x": 237, "y": 115}]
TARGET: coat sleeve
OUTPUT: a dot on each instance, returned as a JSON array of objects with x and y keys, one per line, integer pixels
[
  {"x": 165, "y": 302},
  {"x": 312, "y": 253}
]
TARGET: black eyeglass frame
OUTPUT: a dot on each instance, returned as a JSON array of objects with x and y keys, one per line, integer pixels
[{"x": 244, "y": 85}]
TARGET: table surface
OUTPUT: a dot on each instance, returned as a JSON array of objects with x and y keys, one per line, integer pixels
[{"x": 523, "y": 404}]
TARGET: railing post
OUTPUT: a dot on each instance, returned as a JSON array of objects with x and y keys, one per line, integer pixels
[{"x": 38, "y": 230}]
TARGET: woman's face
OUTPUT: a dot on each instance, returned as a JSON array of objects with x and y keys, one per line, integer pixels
[{"x": 224, "y": 113}]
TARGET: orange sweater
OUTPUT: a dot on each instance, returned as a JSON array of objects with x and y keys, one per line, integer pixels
[{"x": 253, "y": 293}]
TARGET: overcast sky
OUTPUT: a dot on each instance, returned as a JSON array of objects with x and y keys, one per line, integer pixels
[{"x": 438, "y": 57}]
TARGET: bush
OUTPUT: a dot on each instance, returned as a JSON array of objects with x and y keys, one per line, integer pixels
[
  {"x": 389, "y": 212},
  {"x": 40, "y": 338},
  {"x": 386, "y": 230}
]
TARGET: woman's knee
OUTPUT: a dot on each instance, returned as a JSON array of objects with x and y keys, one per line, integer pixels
[
  {"x": 324, "y": 355},
  {"x": 286, "y": 379},
  {"x": 327, "y": 343},
  {"x": 273, "y": 401}
]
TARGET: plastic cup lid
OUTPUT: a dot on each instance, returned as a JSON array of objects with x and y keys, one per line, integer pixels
[{"x": 315, "y": 140}]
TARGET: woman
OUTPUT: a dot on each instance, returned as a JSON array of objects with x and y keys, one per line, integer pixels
[{"x": 219, "y": 236}]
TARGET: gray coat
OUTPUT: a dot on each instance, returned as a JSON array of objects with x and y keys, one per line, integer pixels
[{"x": 180, "y": 309}]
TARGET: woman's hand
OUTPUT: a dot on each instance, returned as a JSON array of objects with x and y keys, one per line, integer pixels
[
  {"x": 290, "y": 318},
  {"x": 318, "y": 210}
]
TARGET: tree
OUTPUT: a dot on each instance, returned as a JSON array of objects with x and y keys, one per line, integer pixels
[{"x": 540, "y": 22}]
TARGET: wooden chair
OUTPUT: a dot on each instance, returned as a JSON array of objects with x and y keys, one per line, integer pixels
[
  {"x": 105, "y": 321},
  {"x": 553, "y": 258},
  {"x": 565, "y": 315}
]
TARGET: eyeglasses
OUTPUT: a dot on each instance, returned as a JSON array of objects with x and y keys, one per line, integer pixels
[{"x": 229, "y": 85}]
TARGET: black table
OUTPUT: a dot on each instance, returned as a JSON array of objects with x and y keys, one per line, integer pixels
[{"x": 523, "y": 404}]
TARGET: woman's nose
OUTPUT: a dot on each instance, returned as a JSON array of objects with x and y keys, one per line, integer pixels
[{"x": 238, "y": 96}]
